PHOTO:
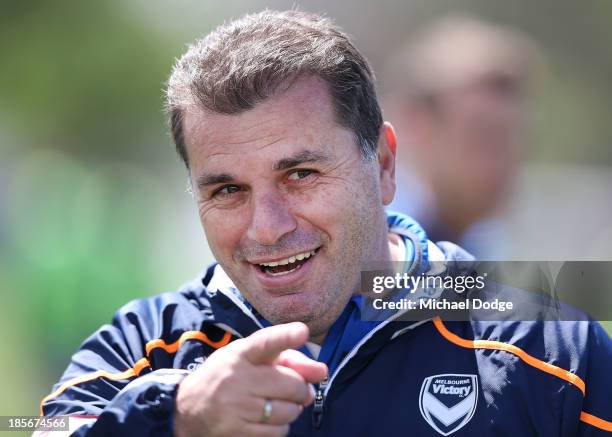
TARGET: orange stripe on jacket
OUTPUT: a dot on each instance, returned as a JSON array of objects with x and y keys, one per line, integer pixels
[
  {"x": 188, "y": 335},
  {"x": 596, "y": 421},
  {"x": 140, "y": 364},
  {"x": 133, "y": 371},
  {"x": 566, "y": 375}
]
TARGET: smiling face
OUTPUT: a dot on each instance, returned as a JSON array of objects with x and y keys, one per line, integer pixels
[{"x": 290, "y": 208}]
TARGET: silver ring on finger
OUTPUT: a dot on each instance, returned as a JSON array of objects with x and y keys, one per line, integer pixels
[{"x": 267, "y": 411}]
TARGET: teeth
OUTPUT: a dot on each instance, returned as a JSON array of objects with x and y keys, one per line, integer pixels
[
  {"x": 290, "y": 260},
  {"x": 281, "y": 273}
]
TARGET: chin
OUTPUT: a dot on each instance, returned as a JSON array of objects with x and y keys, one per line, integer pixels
[{"x": 298, "y": 307}]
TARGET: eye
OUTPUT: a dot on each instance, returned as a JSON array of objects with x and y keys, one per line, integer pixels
[
  {"x": 227, "y": 190},
  {"x": 300, "y": 174}
]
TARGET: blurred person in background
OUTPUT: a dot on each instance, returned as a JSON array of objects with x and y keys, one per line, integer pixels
[{"x": 457, "y": 98}]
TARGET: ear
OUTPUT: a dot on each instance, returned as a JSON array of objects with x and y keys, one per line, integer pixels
[{"x": 387, "y": 149}]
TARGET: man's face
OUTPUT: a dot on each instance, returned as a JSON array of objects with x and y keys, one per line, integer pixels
[{"x": 290, "y": 209}]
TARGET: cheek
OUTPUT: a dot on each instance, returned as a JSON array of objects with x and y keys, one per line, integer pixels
[
  {"x": 223, "y": 233},
  {"x": 323, "y": 205},
  {"x": 334, "y": 208}
]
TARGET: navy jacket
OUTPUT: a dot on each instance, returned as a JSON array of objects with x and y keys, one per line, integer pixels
[{"x": 510, "y": 378}]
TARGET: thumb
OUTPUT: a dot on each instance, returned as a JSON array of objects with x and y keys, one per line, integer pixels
[{"x": 265, "y": 345}]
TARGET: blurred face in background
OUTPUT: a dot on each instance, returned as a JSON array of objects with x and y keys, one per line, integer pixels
[
  {"x": 465, "y": 143},
  {"x": 459, "y": 100},
  {"x": 290, "y": 208},
  {"x": 476, "y": 135}
]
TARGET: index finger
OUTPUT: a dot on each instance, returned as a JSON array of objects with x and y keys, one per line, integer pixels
[
  {"x": 264, "y": 346},
  {"x": 311, "y": 370}
]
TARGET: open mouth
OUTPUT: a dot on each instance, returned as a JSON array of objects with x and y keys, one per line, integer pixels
[{"x": 286, "y": 265}]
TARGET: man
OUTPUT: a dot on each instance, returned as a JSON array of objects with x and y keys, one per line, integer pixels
[
  {"x": 457, "y": 95},
  {"x": 276, "y": 118}
]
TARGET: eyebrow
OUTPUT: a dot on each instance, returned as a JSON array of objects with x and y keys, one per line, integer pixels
[
  {"x": 303, "y": 157},
  {"x": 206, "y": 180}
]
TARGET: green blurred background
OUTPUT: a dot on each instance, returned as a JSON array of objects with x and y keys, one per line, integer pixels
[{"x": 93, "y": 204}]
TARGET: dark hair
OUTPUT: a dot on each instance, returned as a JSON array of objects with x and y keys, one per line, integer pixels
[{"x": 243, "y": 62}]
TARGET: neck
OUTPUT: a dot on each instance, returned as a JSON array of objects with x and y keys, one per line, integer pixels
[{"x": 319, "y": 339}]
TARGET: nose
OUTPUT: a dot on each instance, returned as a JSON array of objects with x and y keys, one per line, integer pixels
[{"x": 271, "y": 218}]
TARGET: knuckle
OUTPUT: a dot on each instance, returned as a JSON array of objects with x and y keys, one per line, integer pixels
[
  {"x": 258, "y": 433},
  {"x": 263, "y": 343},
  {"x": 289, "y": 413},
  {"x": 258, "y": 348},
  {"x": 282, "y": 413},
  {"x": 296, "y": 411},
  {"x": 300, "y": 392},
  {"x": 224, "y": 401},
  {"x": 227, "y": 430}
]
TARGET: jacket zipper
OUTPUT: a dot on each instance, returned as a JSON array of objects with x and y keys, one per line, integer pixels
[
  {"x": 325, "y": 385},
  {"x": 317, "y": 411}
]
